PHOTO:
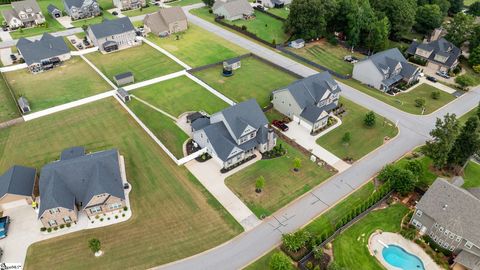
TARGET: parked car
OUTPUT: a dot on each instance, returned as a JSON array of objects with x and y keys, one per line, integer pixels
[
  {"x": 350, "y": 59},
  {"x": 443, "y": 74},
  {"x": 86, "y": 43},
  {"x": 73, "y": 41},
  {"x": 280, "y": 124},
  {"x": 432, "y": 79},
  {"x": 13, "y": 57},
  {"x": 4, "y": 221}
]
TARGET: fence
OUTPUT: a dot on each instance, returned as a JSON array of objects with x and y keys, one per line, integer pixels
[
  {"x": 269, "y": 14},
  {"x": 245, "y": 32}
]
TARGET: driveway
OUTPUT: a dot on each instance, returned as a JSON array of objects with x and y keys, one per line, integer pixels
[
  {"x": 5, "y": 35},
  {"x": 5, "y": 56},
  {"x": 65, "y": 21},
  {"x": 438, "y": 85}
]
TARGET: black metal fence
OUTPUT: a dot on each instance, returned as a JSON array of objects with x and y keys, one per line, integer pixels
[
  {"x": 245, "y": 32},
  {"x": 269, "y": 14}
]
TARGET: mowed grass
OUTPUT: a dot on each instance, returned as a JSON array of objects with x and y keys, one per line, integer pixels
[
  {"x": 182, "y": 3},
  {"x": 469, "y": 2},
  {"x": 197, "y": 47},
  {"x": 282, "y": 184},
  {"x": 472, "y": 175},
  {"x": 363, "y": 139},
  {"x": 170, "y": 208},
  {"x": 255, "y": 79},
  {"x": 94, "y": 20},
  {"x": 143, "y": 61},
  {"x": 8, "y": 107},
  {"x": 263, "y": 263},
  {"x": 281, "y": 12},
  {"x": 135, "y": 12},
  {"x": 71, "y": 81},
  {"x": 406, "y": 101},
  {"x": 162, "y": 126},
  {"x": 179, "y": 95}
]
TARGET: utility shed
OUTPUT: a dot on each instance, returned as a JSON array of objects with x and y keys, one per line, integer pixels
[
  {"x": 123, "y": 95},
  {"x": 124, "y": 78},
  {"x": 24, "y": 105}
]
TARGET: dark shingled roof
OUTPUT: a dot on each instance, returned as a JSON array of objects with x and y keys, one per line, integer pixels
[
  {"x": 51, "y": 8},
  {"x": 18, "y": 180},
  {"x": 440, "y": 46},
  {"x": 243, "y": 114},
  {"x": 122, "y": 92},
  {"x": 112, "y": 27},
  {"x": 232, "y": 60},
  {"x": 72, "y": 152},
  {"x": 387, "y": 60},
  {"x": 469, "y": 260},
  {"x": 76, "y": 3},
  {"x": 45, "y": 48},
  {"x": 200, "y": 123},
  {"x": 123, "y": 75}
]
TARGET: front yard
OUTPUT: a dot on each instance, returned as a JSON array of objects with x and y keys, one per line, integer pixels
[
  {"x": 140, "y": 11},
  {"x": 255, "y": 79},
  {"x": 170, "y": 207},
  {"x": 95, "y": 20},
  {"x": 282, "y": 184},
  {"x": 143, "y": 61},
  {"x": 363, "y": 139},
  {"x": 8, "y": 107},
  {"x": 71, "y": 81}
]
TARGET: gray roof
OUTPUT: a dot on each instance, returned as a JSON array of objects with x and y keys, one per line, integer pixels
[
  {"x": 158, "y": 21},
  {"x": 8, "y": 14},
  {"x": 243, "y": 114},
  {"x": 45, "y": 48},
  {"x": 200, "y": 123},
  {"x": 470, "y": 260},
  {"x": 112, "y": 27},
  {"x": 122, "y": 92},
  {"x": 386, "y": 62},
  {"x": 232, "y": 60},
  {"x": 440, "y": 46},
  {"x": 25, "y": 5},
  {"x": 70, "y": 182},
  {"x": 77, "y": 3},
  {"x": 23, "y": 102},
  {"x": 234, "y": 7},
  {"x": 51, "y": 8},
  {"x": 311, "y": 113},
  {"x": 18, "y": 180},
  {"x": 72, "y": 152},
  {"x": 453, "y": 208},
  {"x": 123, "y": 75}
]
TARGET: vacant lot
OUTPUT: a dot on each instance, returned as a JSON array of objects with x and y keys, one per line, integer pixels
[
  {"x": 255, "y": 79},
  {"x": 71, "y": 81},
  {"x": 282, "y": 184},
  {"x": 180, "y": 95},
  {"x": 207, "y": 47},
  {"x": 363, "y": 139},
  {"x": 8, "y": 107},
  {"x": 143, "y": 61},
  {"x": 170, "y": 207}
]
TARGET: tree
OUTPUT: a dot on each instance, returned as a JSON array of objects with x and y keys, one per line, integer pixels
[
  {"x": 295, "y": 241},
  {"x": 280, "y": 261},
  {"x": 420, "y": 102},
  {"x": 444, "y": 135},
  {"x": 415, "y": 167},
  {"x": 474, "y": 58},
  {"x": 443, "y": 4},
  {"x": 460, "y": 29},
  {"x": 297, "y": 163},
  {"x": 428, "y": 18},
  {"x": 94, "y": 245},
  {"x": 369, "y": 119},
  {"x": 378, "y": 33},
  {"x": 308, "y": 18},
  {"x": 464, "y": 81},
  {"x": 455, "y": 6},
  {"x": 435, "y": 95},
  {"x": 208, "y": 3},
  {"x": 400, "y": 13},
  {"x": 403, "y": 181},
  {"x": 466, "y": 144},
  {"x": 346, "y": 138},
  {"x": 478, "y": 110},
  {"x": 259, "y": 184},
  {"x": 474, "y": 9}
]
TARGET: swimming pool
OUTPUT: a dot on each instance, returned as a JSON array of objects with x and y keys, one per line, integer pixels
[{"x": 398, "y": 257}]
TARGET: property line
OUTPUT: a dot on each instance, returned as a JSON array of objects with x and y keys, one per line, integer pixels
[
  {"x": 155, "y": 80},
  {"x": 210, "y": 89},
  {"x": 99, "y": 72},
  {"x": 155, "y": 108},
  {"x": 160, "y": 49}
]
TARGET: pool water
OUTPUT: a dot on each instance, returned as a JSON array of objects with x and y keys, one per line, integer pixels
[{"x": 398, "y": 257}]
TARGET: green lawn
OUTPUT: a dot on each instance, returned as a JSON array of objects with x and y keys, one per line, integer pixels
[
  {"x": 170, "y": 207},
  {"x": 263, "y": 262},
  {"x": 469, "y": 2},
  {"x": 281, "y": 12},
  {"x": 208, "y": 47},
  {"x": 143, "y": 61},
  {"x": 179, "y": 95},
  {"x": 282, "y": 184},
  {"x": 255, "y": 79},
  {"x": 328, "y": 55},
  {"x": 363, "y": 139},
  {"x": 94, "y": 20},
  {"x": 406, "y": 101},
  {"x": 182, "y": 3},
  {"x": 162, "y": 126},
  {"x": 106, "y": 4},
  {"x": 71, "y": 81},
  {"x": 350, "y": 248},
  {"x": 138, "y": 11},
  {"x": 472, "y": 175},
  {"x": 8, "y": 107}
]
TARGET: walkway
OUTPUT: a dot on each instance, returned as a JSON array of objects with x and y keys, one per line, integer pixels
[{"x": 438, "y": 85}]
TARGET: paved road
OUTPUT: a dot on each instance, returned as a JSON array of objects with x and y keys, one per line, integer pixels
[{"x": 414, "y": 130}]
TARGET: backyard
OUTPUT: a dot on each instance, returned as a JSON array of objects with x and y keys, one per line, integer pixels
[
  {"x": 170, "y": 207},
  {"x": 8, "y": 107},
  {"x": 472, "y": 175},
  {"x": 241, "y": 86},
  {"x": 140, "y": 11},
  {"x": 182, "y": 3},
  {"x": 208, "y": 47},
  {"x": 282, "y": 184},
  {"x": 153, "y": 63},
  {"x": 363, "y": 139},
  {"x": 280, "y": 12},
  {"x": 55, "y": 87},
  {"x": 95, "y": 20}
]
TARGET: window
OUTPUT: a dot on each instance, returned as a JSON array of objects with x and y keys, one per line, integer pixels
[
  {"x": 67, "y": 219},
  {"x": 445, "y": 245},
  {"x": 419, "y": 213},
  {"x": 440, "y": 242},
  {"x": 435, "y": 225},
  {"x": 452, "y": 235},
  {"x": 441, "y": 229},
  {"x": 451, "y": 248},
  {"x": 52, "y": 222},
  {"x": 435, "y": 238},
  {"x": 468, "y": 245},
  {"x": 54, "y": 210},
  {"x": 416, "y": 223},
  {"x": 95, "y": 209},
  {"x": 458, "y": 238},
  {"x": 115, "y": 206},
  {"x": 431, "y": 234},
  {"x": 446, "y": 232}
]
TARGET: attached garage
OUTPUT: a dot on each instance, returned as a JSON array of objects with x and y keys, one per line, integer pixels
[{"x": 17, "y": 187}]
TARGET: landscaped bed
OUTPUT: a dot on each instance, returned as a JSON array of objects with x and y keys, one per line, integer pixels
[
  {"x": 170, "y": 207},
  {"x": 255, "y": 79},
  {"x": 143, "y": 61},
  {"x": 282, "y": 183},
  {"x": 363, "y": 139},
  {"x": 8, "y": 107},
  {"x": 71, "y": 81}
]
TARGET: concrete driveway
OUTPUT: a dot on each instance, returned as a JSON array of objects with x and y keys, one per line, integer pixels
[
  {"x": 5, "y": 56},
  {"x": 438, "y": 85},
  {"x": 65, "y": 21}
]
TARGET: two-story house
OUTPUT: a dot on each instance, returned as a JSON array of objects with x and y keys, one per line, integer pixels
[
  {"x": 309, "y": 101},
  {"x": 385, "y": 69},
  {"x": 91, "y": 183},
  {"x": 113, "y": 35},
  {"x": 440, "y": 54},
  {"x": 129, "y": 4},
  {"x": 450, "y": 215},
  {"x": 235, "y": 133},
  {"x": 81, "y": 9},
  {"x": 25, "y": 13},
  {"x": 166, "y": 21}
]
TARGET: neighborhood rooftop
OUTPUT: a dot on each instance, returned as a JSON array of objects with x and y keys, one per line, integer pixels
[
  {"x": 47, "y": 47},
  {"x": 18, "y": 180},
  {"x": 441, "y": 47},
  {"x": 112, "y": 27}
]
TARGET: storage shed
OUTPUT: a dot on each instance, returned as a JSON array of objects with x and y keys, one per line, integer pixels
[
  {"x": 24, "y": 105},
  {"x": 232, "y": 64},
  {"x": 124, "y": 78},
  {"x": 123, "y": 95}
]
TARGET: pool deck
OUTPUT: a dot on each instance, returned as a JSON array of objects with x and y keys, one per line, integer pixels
[{"x": 375, "y": 248}]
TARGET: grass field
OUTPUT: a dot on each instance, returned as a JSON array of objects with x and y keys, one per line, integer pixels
[
  {"x": 162, "y": 126},
  {"x": 146, "y": 10},
  {"x": 350, "y": 248},
  {"x": 170, "y": 207},
  {"x": 281, "y": 12},
  {"x": 472, "y": 175},
  {"x": 182, "y": 3},
  {"x": 143, "y": 61},
  {"x": 179, "y": 95},
  {"x": 241, "y": 86},
  {"x": 282, "y": 184},
  {"x": 71, "y": 81},
  {"x": 363, "y": 139},
  {"x": 94, "y": 20},
  {"x": 8, "y": 107},
  {"x": 406, "y": 101},
  {"x": 208, "y": 47}
]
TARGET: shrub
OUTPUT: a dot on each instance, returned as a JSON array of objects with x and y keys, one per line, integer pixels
[
  {"x": 62, "y": 226},
  {"x": 244, "y": 27},
  {"x": 42, "y": 229},
  {"x": 409, "y": 233},
  {"x": 55, "y": 228},
  {"x": 476, "y": 68},
  {"x": 369, "y": 119},
  {"x": 101, "y": 219},
  {"x": 123, "y": 215},
  {"x": 435, "y": 95},
  {"x": 97, "y": 217},
  {"x": 464, "y": 81},
  {"x": 125, "y": 208},
  {"x": 419, "y": 102},
  {"x": 309, "y": 265},
  {"x": 94, "y": 245},
  {"x": 259, "y": 184},
  {"x": 116, "y": 216},
  {"x": 417, "y": 60},
  {"x": 279, "y": 261},
  {"x": 346, "y": 138},
  {"x": 49, "y": 230},
  {"x": 108, "y": 218},
  {"x": 295, "y": 241},
  {"x": 69, "y": 225},
  {"x": 297, "y": 163},
  {"x": 317, "y": 253}
]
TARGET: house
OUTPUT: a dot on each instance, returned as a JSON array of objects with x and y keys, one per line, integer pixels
[
  {"x": 54, "y": 11},
  {"x": 309, "y": 101},
  {"x": 17, "y": 186},
  {"x": 385, "y": 69},
  {"x": 298, "y": 43},
  {"x": 123, "y": 78},
  {"x": 450, "y": 216},
  {"x": 24, "y": 105},
  {"x": 81, "y": 9},
  {"x": 123, "y": 95},
  {"x": 233, "y": 10},
  {"x": 112, "y": 35},
  {"x": 166, "y": 21},
  {"x": 25, "y": 13},
  {"x": 440, "y": 54},
  {"x": 274, "y": 3},
  {"x": 89, "y": 183},
  {"x": 232, "y": 135},
  {"x": 129, "y": 4},
  {"x": 232, "y": 64},
  {"x": 43, "y": 54}
]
